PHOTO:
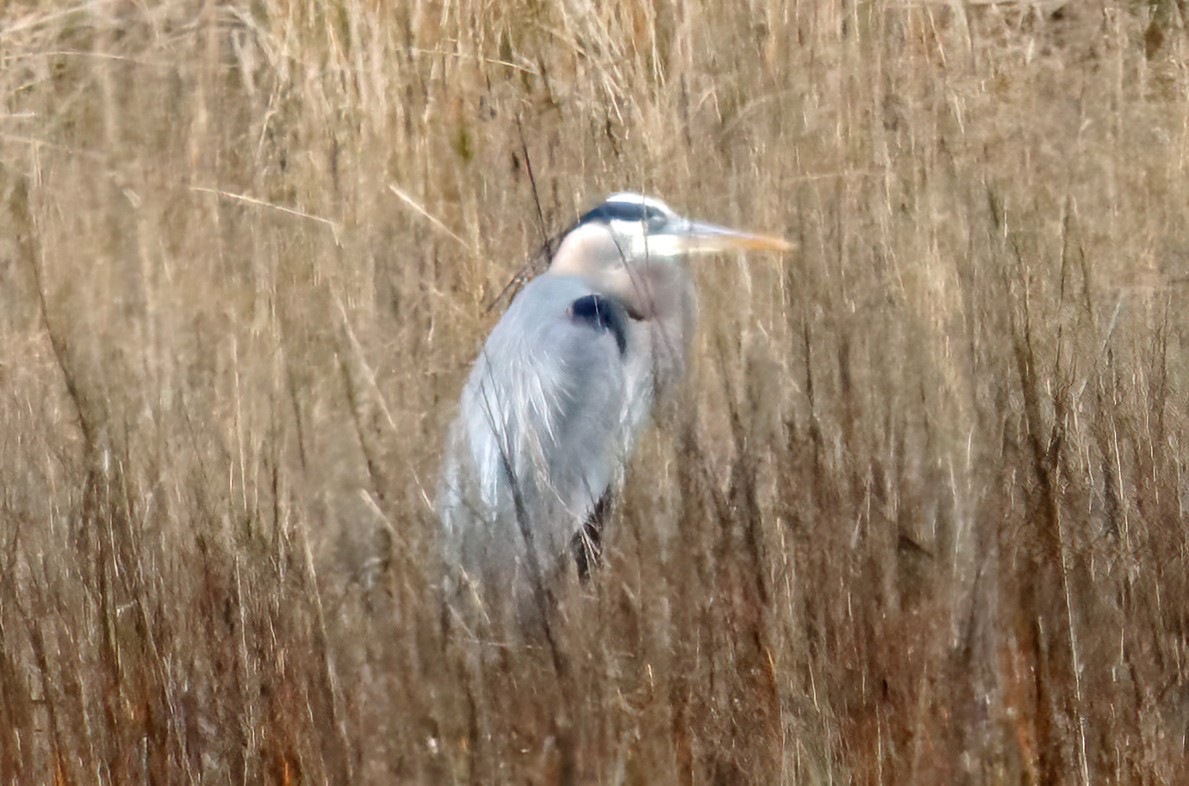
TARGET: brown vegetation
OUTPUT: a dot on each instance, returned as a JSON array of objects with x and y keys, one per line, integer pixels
[{"x": 920, "y": 519}]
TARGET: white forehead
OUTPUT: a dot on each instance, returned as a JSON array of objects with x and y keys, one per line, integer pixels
[{"x": 632, "y": 198}]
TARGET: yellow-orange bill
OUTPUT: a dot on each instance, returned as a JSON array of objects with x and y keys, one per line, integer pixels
[
  {"x": 709, "y": 238},
  {"x": 762, "y": 243}
]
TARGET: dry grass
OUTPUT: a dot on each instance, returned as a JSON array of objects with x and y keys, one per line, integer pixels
[{"x": 920, "y": 521}]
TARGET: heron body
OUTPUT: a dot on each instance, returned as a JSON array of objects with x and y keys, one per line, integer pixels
[{"x": 563, "y": 386}]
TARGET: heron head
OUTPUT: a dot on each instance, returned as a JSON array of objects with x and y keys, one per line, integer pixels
[{"x": 631, "y": 230}]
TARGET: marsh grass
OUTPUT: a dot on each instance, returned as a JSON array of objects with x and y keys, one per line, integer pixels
[{"x": 919, "y": 517}]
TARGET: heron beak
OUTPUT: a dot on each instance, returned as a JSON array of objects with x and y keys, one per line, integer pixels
[{"x": 699, "y": 238}]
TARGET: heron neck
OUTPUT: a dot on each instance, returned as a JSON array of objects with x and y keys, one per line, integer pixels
[
  {"x": 660, "y": 293},
  {"x": 662, "y": 299}
]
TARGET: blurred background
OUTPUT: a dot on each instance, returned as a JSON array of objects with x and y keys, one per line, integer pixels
[{"x": 919, "y": 517}]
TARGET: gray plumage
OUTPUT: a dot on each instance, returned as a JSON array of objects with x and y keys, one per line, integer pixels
[{"x": 564, "y": 384}]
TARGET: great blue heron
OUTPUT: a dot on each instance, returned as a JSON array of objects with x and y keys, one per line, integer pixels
[{"x": 563, "y": 385}]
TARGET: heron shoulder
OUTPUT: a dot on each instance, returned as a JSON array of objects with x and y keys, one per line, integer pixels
[
  {"x": 542, "y": 353},
  {"x": 603, "y": 314},
  {"x": 548, "y": 309}
]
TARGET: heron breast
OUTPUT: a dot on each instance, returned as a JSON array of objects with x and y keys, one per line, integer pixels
[{"x": 603, "y": 314}]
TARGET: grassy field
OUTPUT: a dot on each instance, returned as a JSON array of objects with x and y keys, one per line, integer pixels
[{"x": 919, "y": 519}]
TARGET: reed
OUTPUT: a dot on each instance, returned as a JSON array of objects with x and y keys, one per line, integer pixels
[{"x": 918, "y": 519}]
